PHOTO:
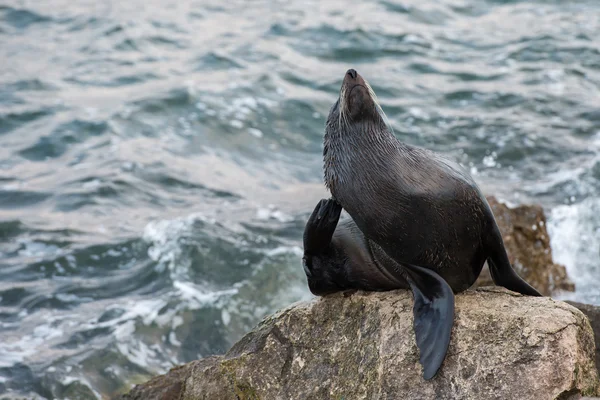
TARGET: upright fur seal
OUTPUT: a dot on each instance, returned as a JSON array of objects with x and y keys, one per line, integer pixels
[{"x": 418, "y": 221}]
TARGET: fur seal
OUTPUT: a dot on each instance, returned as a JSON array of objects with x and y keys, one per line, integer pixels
[{"x": 417, "y": 220}]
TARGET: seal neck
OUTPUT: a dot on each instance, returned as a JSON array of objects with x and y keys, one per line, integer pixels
[{"x": 361, "y": 146}]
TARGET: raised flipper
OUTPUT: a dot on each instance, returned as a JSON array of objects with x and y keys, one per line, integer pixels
[
  {"x": 433, "y": 312},
  {"x": 321, "y": 226},
  {"x": 501, "y": 271},
  {"x": 320, "y": 262}
]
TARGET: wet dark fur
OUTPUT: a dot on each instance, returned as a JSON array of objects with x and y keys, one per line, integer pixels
[
  {"x": 420, "y": 208},
  {"x": 412, "y": 211}
]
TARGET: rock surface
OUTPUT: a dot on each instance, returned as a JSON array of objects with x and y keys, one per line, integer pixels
[
  {"x": 361, "y": 346},
  {"x": 593, "y": 314},
  {"x": 527, "y": 243}
]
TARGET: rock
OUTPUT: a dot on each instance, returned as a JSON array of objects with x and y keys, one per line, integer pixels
[
  {"x": 361, "y": 346},
  {"x": 527, "y": 243},
  {"x": 172, "y": 385},
  {"x": 593, "y": 314}
]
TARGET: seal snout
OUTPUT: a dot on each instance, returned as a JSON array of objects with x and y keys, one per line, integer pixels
[
  {"x": 355, "y": 98},
  {"x": 353, "y": 78}
]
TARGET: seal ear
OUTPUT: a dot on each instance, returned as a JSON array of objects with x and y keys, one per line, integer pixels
[{"x": 433, "y": 312}]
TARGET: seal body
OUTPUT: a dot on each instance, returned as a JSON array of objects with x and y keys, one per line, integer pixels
[
  {"x": 417, "y": 220},
  {"x": 420, "y": 208}
]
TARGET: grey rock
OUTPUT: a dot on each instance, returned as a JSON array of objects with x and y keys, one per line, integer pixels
[
  {"x": 593, "y": 314},
  {"x": 361, "y": 346}
]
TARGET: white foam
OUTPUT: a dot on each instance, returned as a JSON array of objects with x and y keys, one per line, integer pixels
[
  {"x": 294, "y": 250},
  {"x": 237, "y": 111},
  {"x": 67, "y": 380},
  {"x": 490, "y": 160},
  {"x": 16, "y": 346},
  {"x": 272, "y": 213},
  {"x": 263, "y": 213},
  {"x": 11, "y": 354},
  {"x": 93, "y": 184},
  {"x": 38, "y": 249},
  {"x": 173, "y": 339},
  {"x": 255, "y": 132},
  {"x": 137, "y": 352},
  {"x": 226, "y": 317},
  {"x": 197, "y": 297},
  {"x": 163, "y": 237},
  {"x": 575, "y": 240},
  {"x": 176, "y": 322},
  {"x": 236, "y": 123}
]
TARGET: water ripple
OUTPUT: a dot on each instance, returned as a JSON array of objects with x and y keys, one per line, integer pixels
[{"x": 159, "y": 161}]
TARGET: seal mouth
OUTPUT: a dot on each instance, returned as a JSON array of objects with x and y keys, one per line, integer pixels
[{"x": 358, "y": 85}]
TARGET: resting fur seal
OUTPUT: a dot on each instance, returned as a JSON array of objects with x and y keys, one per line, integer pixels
[{"x": 417, "y": 220}]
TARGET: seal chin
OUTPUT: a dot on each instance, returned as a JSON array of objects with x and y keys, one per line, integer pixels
[
  {"x": 358, "y": 98},
  {"x": 355, "y": 95},
  {"x": 358, "y": 86}
]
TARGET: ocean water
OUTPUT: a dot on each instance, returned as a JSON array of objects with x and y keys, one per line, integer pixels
[{"x": 159, "y": 159}]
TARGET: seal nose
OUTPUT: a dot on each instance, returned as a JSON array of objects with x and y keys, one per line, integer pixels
[{"x": 352, "y": 72}]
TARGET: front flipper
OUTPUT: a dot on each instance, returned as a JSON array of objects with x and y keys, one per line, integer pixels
[
  {"x": 433, "y": 316},
  {"x": 321, "y": 226},
  {"x": 320, "y": 261}
]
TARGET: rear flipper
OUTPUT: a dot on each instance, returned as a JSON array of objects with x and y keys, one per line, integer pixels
[
  {"x": 504, "y": 275},
  {"x": 433, "y": 316},
  {"x": 501, "y": 271},
  {"x": 320, "y": 262}
]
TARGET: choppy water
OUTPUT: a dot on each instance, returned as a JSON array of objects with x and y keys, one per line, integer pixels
[{"x": 159, "y": 159}]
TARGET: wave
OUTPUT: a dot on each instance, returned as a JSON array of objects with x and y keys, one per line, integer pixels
[{"x": 575, "y": 240}]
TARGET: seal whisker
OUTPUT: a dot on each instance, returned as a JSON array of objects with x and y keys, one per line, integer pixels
[
  {"x": 378, "y": 107},
  {"x": 342, "y": 120}
]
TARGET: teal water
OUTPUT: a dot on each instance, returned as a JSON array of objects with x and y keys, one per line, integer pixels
[{"x": 158, "y": 160}]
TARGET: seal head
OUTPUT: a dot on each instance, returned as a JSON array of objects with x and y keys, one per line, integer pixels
[
  {"x": 356, "y": 124},
  {"x": 355, "y": 98},
  {"x": 357, "y": 103}
]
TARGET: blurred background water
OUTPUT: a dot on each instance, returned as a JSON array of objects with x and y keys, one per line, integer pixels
[{"x": 159, "y": 158}]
